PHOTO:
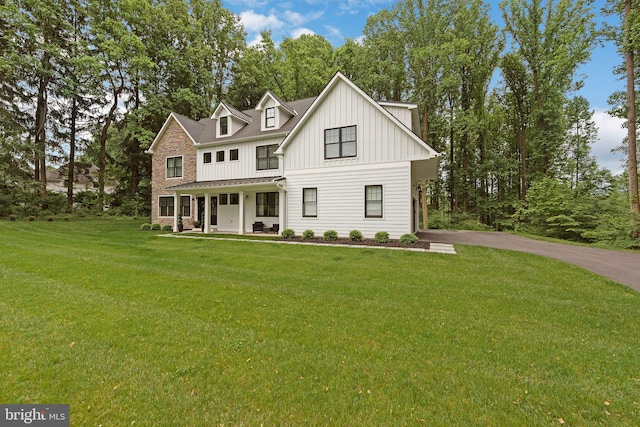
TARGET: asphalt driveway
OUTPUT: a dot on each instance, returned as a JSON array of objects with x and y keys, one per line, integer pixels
[{"x": 623, "y": 267}]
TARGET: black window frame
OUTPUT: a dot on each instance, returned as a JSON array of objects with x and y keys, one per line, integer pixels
[
  {"x": 223, "y": 199},
  {"x": 185, "y": 206},
  {"x": 341, "y": 142},
  {"x": 234, "y": 154},
  {"x": 163, "y": 209},
  {"x": 367, "y": 201},
  {"x": 270, "y": 202},
  {"x": 308, "y": 203},
  {"x": 270, "y": 121},
  {"x": 270, "y": 157},
  {"x": 206, "y": 157},
  {"x": 224, "y": 125},
  {"x": 220, "y": 156},
  {"x": 234, "y": 198},
  {"x": 172, "y": 171}
]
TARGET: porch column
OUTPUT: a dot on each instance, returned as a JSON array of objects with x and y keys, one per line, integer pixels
[
  {"x": 207, "y": 212},
  {"x": 176, "y": 211},
  {"x": 241, "y": 212},
  {"x": 282, "y": 209}
]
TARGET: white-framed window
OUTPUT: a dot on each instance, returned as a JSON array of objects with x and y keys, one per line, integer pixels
[
  {"x": 174, "y": 167},
  {"x": 373, "y": 201},
  {"x": 310, "y": 202},
  {"x": 165, "y": 206},
  {"x": 340, "y": 142},
  {"x": 270, "y": 117}
]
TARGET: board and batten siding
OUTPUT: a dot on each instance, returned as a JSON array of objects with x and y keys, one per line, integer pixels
[
  {"x": 379, "y": 139},
  {"x": 341, "y": 199},
  {"x": 244, "y": 167}
]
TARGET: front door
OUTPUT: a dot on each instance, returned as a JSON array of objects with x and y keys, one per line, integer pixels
[{"x": 214, "y": 210}]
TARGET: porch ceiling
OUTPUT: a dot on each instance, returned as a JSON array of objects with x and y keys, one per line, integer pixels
[
  {"x": 425, "y": 169},
  {"x": 243, "y": 182}
]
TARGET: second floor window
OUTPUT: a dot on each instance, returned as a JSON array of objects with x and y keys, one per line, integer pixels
[
  {"x": 174, "y": 167},
  {"x": 265, "y": 157},
  {"x": 224, "y": 125},
  {"x": 270, "y": 117},
  {"x": 340, "y": 142}
]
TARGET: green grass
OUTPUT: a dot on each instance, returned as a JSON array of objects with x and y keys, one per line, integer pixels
[{"x": 133, "y": 329}]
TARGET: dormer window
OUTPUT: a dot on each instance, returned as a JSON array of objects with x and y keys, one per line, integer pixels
[
  {"x": 224, "y": 125},
  {"x": 270, "y": 117}
]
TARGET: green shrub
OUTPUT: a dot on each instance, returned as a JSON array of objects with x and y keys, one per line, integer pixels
[
  {"x": 49, "y": 218},
  {"x": 32, "y": 218},
  {"x": 330, "y": 235},
  {"x": 156, "y": 227},
  {"x": 167, "y": 227},
  {"x": 288, "y": 233},
  {"x": 145, "y": 226},
  {"x": 382, "y": 237},
  {"x": 355, "y": 236},
  {"x": 308, "y": 235},
  {"x": 12, "y": 217},
  {"x": 408, "y": 239}
]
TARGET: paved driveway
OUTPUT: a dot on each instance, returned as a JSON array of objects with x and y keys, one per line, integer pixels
[{"x": 623, "y": 267}]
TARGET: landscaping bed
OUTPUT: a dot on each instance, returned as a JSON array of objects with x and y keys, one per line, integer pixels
[{"x": 393, "y": 243}]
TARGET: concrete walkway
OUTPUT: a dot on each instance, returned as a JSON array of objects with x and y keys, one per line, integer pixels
[{"x": 623, "y": 267}]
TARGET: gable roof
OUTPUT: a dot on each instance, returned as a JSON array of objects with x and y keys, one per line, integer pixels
[
  {"x": 340, "y": 78},
  {"x": 192, "y": 128},
  {"x": 278, "y": 101},
  {"x": 234, "y": 112}
]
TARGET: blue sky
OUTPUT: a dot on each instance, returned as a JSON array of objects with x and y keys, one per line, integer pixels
[{"x": 340, "y": 19}]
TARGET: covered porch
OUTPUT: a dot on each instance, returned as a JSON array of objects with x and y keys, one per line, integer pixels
[{"x": 238, "y": 206}]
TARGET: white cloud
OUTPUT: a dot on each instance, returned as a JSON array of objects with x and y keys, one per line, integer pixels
[
  {"x": 610, "y": 135},
  {"x": 296, "y": 19},
  {"x": 256, "y": 22},
  {"x": 255, "y": 41},
  {"x": 300, "y": 31},
  {"x": 334, "y": 32}
]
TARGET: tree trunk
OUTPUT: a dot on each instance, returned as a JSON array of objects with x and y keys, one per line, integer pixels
[
  {"x": 631, "y": 126},
  {"x": 72, "y": 153},
  {"x": 40, "y": 132}
]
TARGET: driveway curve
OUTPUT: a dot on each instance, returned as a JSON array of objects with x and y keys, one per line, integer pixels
[{"x": 623, "y": 267}]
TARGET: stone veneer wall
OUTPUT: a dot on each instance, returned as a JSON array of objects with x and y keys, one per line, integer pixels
[{"x": 174, "y": 142}]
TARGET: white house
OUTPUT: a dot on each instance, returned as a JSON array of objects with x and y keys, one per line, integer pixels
[{"x": 340, "y": 161}]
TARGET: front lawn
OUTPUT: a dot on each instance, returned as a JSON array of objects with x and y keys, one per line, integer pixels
[{"x": 132, "y": 329}]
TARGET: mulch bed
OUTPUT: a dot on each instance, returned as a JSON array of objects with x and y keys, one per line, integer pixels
[{"x": 393, "y": 243}]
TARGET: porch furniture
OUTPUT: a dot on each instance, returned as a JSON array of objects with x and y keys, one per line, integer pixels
[
  {"x": 275, "y": 228},
  {"x": 258, "y": 226}
]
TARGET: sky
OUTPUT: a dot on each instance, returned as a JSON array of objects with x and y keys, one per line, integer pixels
[{"x": 340, "y": 19}]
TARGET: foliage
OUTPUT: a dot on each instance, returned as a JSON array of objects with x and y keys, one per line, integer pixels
[
  {"x": 330, "y": 235},
  {"x": 288, "y": 233},
  {"x": 156, "y": 227},
  {"x": 355, "y": 236},
  {"x": 381, "y": 237},
  {"x": 408, "y": 239},
  {"x": 167, "y": 227},
  {"x": 145, "y": 226},
  {"x": 308, "y": 235}
]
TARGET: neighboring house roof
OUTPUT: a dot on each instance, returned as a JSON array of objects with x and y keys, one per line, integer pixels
[
  {"x": 337, "y": 78},
  {"x": 226, "y": 183},
  {"x": 84, "y": 173}
]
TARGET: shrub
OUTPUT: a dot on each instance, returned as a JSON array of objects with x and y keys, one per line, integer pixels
[
  {"x": 32, "y": 218},
  {"x": 308, "y": 234},
  {"x": 382, "y": 237},
  {"x": 355, "y": 236},
  {"x": 49, "y": 218},
  {"x": 67, "y": 218},
  {"x": 167, "y": 227},
  {"x": 330, "y": 235},
  {"x": 12, "y": 217},
  {"x": 156, "y": 227},
  {"x": 288, "y": 233},
  {"x": 408, "y": 239},
  {"x": 145, "y": 226}
]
